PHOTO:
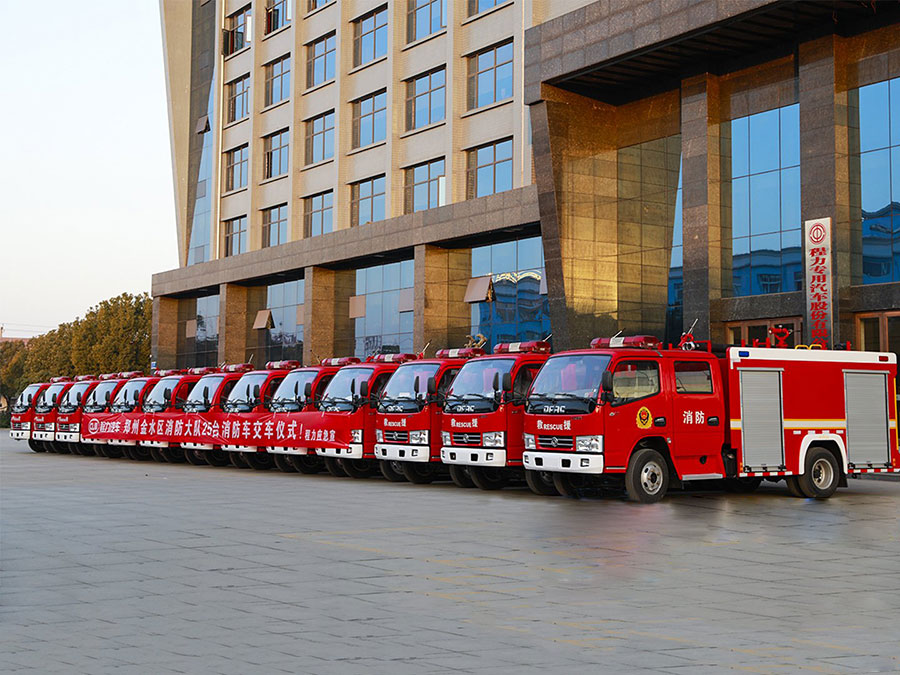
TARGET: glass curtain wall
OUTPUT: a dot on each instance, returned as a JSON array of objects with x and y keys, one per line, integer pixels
[
  {"x": 284, "y": 340},
  {"x": 386, "y": 325},
  {"x": 198, "y": 332}
]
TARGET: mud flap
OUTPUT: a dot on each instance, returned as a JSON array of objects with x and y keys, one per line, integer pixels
[{"x": 729, "y": 461}]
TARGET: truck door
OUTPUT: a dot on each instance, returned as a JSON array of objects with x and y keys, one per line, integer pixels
[
  {"x": 698, "y": 415},
  {"x": 636, "y": 411}
]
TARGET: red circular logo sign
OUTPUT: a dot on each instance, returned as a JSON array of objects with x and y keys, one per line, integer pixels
[
  {"x": 817, "y": 233},
  {"x": 94, "y": 426}
]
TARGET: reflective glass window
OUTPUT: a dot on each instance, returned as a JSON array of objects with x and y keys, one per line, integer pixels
[
  {"x": 317, "y": 214},
  {"x": 425, "y": 17},
  {"x": 367, "y": 201},
  {"x": 425, "y": 99},
  {"x": 370, "y": 37},
  {"x": 388, "y": 321},
  {"x": 278, "y": 80},
  {"x": 198, "y": 332},
  {"x": 320, "y": 138},
  {"x": 275, "y": 226},
  {"x": 490, "y": 76},
  {"x": 320, "y": 57}
]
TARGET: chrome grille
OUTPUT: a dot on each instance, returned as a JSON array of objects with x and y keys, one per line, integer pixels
[
  {"x": 466, "y": 439},
  {"x": 554, "y": 442},
  {"x": 396, "y": 436}
]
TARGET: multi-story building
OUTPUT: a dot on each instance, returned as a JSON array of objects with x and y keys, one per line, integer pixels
[{"x": 355, "y": 175}]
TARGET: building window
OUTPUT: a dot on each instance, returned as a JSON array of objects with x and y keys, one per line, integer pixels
[
  {"x": 489, "y": 169},
  {"x": 278, "y": 80},
  {"x": 765, "y": 201},
  {"x": 284, "y": 340},
  {"x": 198, "y": 332},
  {"x": 320, "y": 60},
  {"x": 275, "y": 226},
  {"x": 424, "y": 187},
  {"x": 490, "y": 75},
  {"x": 317, "y": 214},
  {"x": 320, "y": 138},
  {"x": 425, "y": 17},
  {"x": 478, "y": 6},
  {"x": 875, "y": 155},
  {"x": 517, "y": 309},
  {"x": 369, "y": 119},
  {"x": 315, "y": 4},
  {"x": 367, "y": 201},
  {"x": 238, "y": 31},
  {"x": 370, "y": 37},
  {"x": 277, "y": 153},
  {"x": 236, "y": 236},
  {"x": 755, "y": 333},
  {"x": 425, "y": 99},
  {"x": 236, "y": 168},
  {"x": 388, "y": 320},
  {"x": 278, "y": 14},
  {"x": 238, "y": 98}
]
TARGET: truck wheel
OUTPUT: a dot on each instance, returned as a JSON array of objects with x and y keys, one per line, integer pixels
[
  {"x": 174, "y": 455},
  {"x": 283, "y": 462},
  {"x": 113, "y": 452},
  {"x": 570, "y": 484},
  {"x": 461, "y": 476},
  {"x": 488, "y": 477},
  {"x": 793, "y": 487},
  {"x": 71, "y": 447},
  {"x": 420, "y": 474},
  {"x": 140, "y": 453},
  {"x": 238, "y": 460},
  {"x": 215, "y": 457},
  {"x": 157, "y": 455},
  {"x": 260, "y": 461},
  {"x": 195, "y": 457},
  {"x": 59, "y": 448},
  {"x": 36, "y": 446},
  {"x": 308, "y": 464},
  {"x": 541, "y": 482},
  {"x": 742, "y": 485},
  {"x": 86, "y": 449},
  {"x": 822, "y": 474},
  {"x": 647, "y": 478},
  {"x": 334, "y": 467},
  {"x": 360, "y": 468},
  {"x": 392, "y": 470}
]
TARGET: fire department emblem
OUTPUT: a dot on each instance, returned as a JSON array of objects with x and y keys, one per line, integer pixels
[
  {"x": 94, "y": 426},
  {"x": 644, "y": 418}
]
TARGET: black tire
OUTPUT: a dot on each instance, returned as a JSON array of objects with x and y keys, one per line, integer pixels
[
  {"x": 742, "y": 485},
  {"x": 36, "y": 446},
  {"x": 260, "y": 461},
  {"x": 793, "y": 487},
  {"x": 100, "y": 450},
  {"x": 419, "y": 473},
  {"x": 489, "y": 477},
  {"x": 113, "y": 452},
  {"x": 87, "y": 449},
  {"x": 157, "y": 455},
  {"x": 541, "y": 482},
  {"x": 570, "y": 485},
  {"x": 195, "y": 457},
  {"x": 822, "y": 474},
  {"x": 392, "y": 470},
  {"x": 461, "y": 476},
  {"x": 215, "y": 457},
  {"x": 308, "y": 464},
  {"x": 237, "y": 459},
  {"x": 73, "y": 448},
  {"x": 140, "y": 453},
  {"x": 283, "y": 462},
  {"x": 174, "y": 455},
  {"x": 334, "y": 467},
  {"x": 360, "y": 468},
  {"x": 647, "y": 477},
  {"x": 58, "y": 448}
]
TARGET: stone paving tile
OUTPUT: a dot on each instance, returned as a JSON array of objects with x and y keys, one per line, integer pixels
[{"x": 111, "y": 566}]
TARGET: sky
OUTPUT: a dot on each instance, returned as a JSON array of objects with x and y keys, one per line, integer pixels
[{"x": 86, "y": 178}]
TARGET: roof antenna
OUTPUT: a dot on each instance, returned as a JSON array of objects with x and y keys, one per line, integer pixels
[{"x": 549, "y": 335}]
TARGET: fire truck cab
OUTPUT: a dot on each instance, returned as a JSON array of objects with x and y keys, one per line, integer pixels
[
  {"x": 96, "y": 406},
  {"x": 481, "y": 432},
  {"x": 207, "y": 396},
  {"x": 23, "y": 415},
  {"x": 629, "y": 412},
  {"x": 128, "y": 403},
  {"x": 409, "y": 414},
  {"x": 298, "y": 393},
  {"x": 45, "y": 408},
  {"x": 68, "y": 415},
  {"x": 166, "y": 398}
]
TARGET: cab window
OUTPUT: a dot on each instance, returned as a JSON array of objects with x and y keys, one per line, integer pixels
[
  {"x": 320, "y": 389},
  {"x": 523, "y": 381},
  {"x": 633, "y": 380},
  {"x": 446, "y": 380},
  {"x": 378, "y": 385},
  {"x": 271, "y": 389},
  {"x": 226, "y": 389},
  {"x": 693, "y": 377}
]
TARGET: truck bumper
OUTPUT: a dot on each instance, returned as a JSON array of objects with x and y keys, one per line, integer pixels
[
  {"x": 572, "y": 462},
  {"x": 121, "y": 441},
  {"x": 288, "y": 451},
  {"x": 23, "y": 433},
  {"x": 68, "y": 436},
  {"x": 154, "y": 444},
  {"x": 458, "y": 454},
  {"x": 402, "y": 453},
  {"x": 95, "y": 441},
  {"x": 239, "y": 448},
  {"x": 44, "y": 434},
  {"x": 197, "y": 446},
  {"x": 354, "y": 451}
]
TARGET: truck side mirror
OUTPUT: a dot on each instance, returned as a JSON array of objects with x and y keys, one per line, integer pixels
[
  {"x": 53, "y": 400},
  {"x": 167, "y": 394},
  {"x": 507, "y": 381},
  {"x": 496, "y": 385},
  {"x": 606, "y": 383},
  {"x": 29, "y": 399},
  {"x": 255, "y": 392},
  {"x": 108, "y": 396},
  {"x": 363, "y": 389},
  {"x": 206, "y": 397},
  {"x": 77, "y": 397},
  {"x": 307, "y": 390},
  {"x": 432, "y": 386},
  {"x": 416, "y": 386},
  {"x": 137, "y": 395}
]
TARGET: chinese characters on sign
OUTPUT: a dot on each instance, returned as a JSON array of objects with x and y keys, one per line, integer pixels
[{"x": 819, "y": 293}]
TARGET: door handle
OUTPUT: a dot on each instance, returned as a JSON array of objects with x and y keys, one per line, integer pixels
[
  {"x": 712, "y": 421},
  {"x": 659, "y": 421}
]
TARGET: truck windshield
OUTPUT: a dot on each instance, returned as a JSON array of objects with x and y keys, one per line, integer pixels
[
  {"x": 161, "y": 395},
  {"x": 125, "y": 399},
  {"x": 400, "y": 392},
  {"x": 26, "y": 398},
  {"x": 291, "y": 393},
  {"x": 96, "y": 400},
  {"x": 202, "y": 393},
  {"x": 45, "y": 400},
  {"x": 241, "y": 398},
  {"x": 473, "y": 388},
  {"x": 568, "y": 384},
  {"x": 71, "y": 399},
  {"x": 338, "y": 396}
]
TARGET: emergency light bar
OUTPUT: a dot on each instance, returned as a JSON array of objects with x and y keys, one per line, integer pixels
[
  {"x": 464, "y": 353},
  {"x": 61, "y": 378},
  {"x": 84, "y": 378},
  {"x": 282, "y": 365},
  {"x": 237, "y": 368},
  {"x": 533, "y": 346},
  {"x": 109, "y": 376},
  {"x": 168, "y": 372},
  {"x": 202, "y": 370},
  {"x": 633, "y": 341},
  {"x": 129, "y": 374},
  {"x": 339, "y": 361},
  {"x": 393, "y": 358}
]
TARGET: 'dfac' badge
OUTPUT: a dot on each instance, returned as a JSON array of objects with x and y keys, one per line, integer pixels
[{"x": 644, "y": 418}]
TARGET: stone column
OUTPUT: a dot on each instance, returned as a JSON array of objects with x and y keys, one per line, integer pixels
[
  {"x": 328, "y": 330},
  {"x": 442, "y": 316},
  {"x": 234, "y": 323},
  {"x": 164, "y": 332}
]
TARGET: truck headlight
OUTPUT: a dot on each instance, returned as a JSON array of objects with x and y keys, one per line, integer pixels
[
  {"x": 589, "y": 444},
  {"x": 445, "y": 437},
  {"x": 493, "y": 439},
  {"x": 529, "y": 442},
  {"x": 356, "y": 435},
  {"x": 418, "y": 437},
  {"x": 379, "y": 436},
  {"x": 74, "y": 428}
]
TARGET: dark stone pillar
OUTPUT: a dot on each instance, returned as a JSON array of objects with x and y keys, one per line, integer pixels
[{"x": 164, "y": 332}]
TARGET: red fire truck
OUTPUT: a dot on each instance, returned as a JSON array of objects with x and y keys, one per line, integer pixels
[
  {"x": 44, "y": 425},
  {"x": 249, "y": 398},
  {"x": 163, "y": 407},
  {"x": 68, "y": 415},
  {"x": 631, "y": 414},
  {"x": 298, "y": 393},
  {"x": 127, "y": 405},
  {"x": 207, "y": 397},
  {"x": 23, "y": 415},
  {"x": 484, "y": 412},
  {"x": 408, "y": 423},
  {"x": 347, "y": 411},
  {"x": 95, "y": 411}
]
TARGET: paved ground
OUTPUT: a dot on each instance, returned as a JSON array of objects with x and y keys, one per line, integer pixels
[{"x": 121, "y": 567}]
